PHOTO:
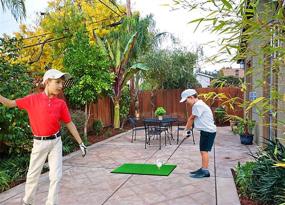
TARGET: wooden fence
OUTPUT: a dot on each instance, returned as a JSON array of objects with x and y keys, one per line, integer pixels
[
  {"x": 169, "y": 99},
  {"x": 102, "y": 110}
]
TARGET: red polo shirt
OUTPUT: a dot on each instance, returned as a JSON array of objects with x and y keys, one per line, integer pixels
[{"x": 45, "y": 114}]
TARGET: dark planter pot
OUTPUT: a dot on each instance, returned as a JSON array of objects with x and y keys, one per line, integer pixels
[{"x": 246, "y": 139}]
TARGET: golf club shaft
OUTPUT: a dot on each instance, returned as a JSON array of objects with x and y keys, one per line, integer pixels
[{"x": 177, "y": 147}]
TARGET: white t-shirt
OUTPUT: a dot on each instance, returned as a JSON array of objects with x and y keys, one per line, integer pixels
[{"x": 204, "y": 119}]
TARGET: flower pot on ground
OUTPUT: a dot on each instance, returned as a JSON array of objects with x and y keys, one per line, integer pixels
[
  {"x": 245, "y": 127},
  {"x": 159, "y": 112},
  {"x": 246, "y": 139}
]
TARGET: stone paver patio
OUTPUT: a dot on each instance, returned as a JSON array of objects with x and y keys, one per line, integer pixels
[{"x": 88, "y": 180}]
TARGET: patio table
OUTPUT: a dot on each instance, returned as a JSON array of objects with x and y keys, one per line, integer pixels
[{"x": 154, "y": 127}]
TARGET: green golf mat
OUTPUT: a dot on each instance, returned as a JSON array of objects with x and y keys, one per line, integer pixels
[{"x": 144, "y": 169}]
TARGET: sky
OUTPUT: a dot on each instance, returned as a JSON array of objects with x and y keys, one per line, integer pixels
[{"x": 167, "y": 20}]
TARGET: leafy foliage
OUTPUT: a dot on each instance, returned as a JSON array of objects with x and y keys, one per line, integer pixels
[
  {"x": 13, "y": 169},
  {"x": 46, "y": 42},
  {"x": 120, "y": 45},
  {"x": 169, "y": 69},
  {"x": 15, "y": 131},
  {"x": 220, "y": 114},
  {"x": 125, "y": 104},
  {"x": 69, "y": 144},
  {"x": 17, "y": 8},
  {"x": 226, "y": 81},
  {"x": 251, "y": 32},
  {"x": 243, "y": 177},
  {"x": 97, "y": 126},
  {"x": 160, "y": 111},
  {"x": 90, "y": 67},
  {"x": 261, "y": 180}
]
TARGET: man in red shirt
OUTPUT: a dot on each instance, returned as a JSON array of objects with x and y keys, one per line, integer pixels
[{"x": 45, "y": 112}]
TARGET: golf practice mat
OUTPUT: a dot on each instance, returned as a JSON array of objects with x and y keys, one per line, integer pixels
[{"x": 144, "y": 169}]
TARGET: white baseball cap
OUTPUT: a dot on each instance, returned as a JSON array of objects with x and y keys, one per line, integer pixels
[
  {"x": 187, "y": 93},
  {"x": 55, "y": 74}
]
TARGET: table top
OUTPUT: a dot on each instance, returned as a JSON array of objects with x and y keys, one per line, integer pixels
[{"x": 164, "y": 120}]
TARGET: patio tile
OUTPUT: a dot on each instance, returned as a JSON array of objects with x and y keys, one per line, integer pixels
[{"x": 89, "y": 180}]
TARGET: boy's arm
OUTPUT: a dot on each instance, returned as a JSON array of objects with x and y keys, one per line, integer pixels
[
  {"x": 8, "y": 103},
  {"x": 72, "y": 129},
  {"x": 190, "y": 122}
]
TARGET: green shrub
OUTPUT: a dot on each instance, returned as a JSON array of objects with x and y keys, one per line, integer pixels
[
  {"x": 5, "y": 180},
  {"x": 108, "y": 133},
  {"x": 125, "y": 103},
  {"x": 13, "y": 169},
  {"x": 220, "y": 114},
  {"x": 68, "y": 142},
  {"x": 244, "y": 176},
  {"x": 15, "y": 132},
  {"x": 267, "y": 182},
  {"x": 97, "y": 126}
]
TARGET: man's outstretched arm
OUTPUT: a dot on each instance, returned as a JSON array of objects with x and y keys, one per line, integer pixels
[{"x": 6, "y": 102}]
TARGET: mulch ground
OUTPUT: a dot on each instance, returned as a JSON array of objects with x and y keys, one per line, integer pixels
[
  {"x": 246, "y": 201},
  {"x": 105, "y": 134}
]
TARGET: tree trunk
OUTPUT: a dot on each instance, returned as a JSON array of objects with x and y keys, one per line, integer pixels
[
  {"x": 116, "y": 113},
  {"x": 129, "y": 13},
  {"x": 132, "y": 95}
]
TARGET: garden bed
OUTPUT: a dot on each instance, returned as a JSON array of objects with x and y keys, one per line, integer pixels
[
  {"x": 243, "y": 200},
  {"x": 107, "y": 133}
]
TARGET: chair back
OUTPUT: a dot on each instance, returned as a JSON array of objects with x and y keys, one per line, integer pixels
[{"x": 132, "y": 122}]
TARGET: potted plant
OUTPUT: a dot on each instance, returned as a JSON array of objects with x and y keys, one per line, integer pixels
[
  {"x": 244, "y": 128},
  {"x": 159, "y": 112}
]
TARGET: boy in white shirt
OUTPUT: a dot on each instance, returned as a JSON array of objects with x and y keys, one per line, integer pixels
[{"x": 202, "y": 117}]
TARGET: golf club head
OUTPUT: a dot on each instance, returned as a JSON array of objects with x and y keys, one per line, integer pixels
[{"x": 188, "y": 133}]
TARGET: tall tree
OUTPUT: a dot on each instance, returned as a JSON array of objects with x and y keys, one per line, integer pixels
[
  {"x": 123, "y": 48},
  {"x": 169, "y": 69},
  {"x": 122, "y": 72},
  {"x": 89, "y": 66},
  {"x": 45, "y": 43}
]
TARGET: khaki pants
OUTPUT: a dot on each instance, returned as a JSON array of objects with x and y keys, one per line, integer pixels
[{"x": 41, "y": 150}]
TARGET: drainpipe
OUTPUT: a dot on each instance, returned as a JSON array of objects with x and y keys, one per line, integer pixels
[{"x": 272, "y": 57}]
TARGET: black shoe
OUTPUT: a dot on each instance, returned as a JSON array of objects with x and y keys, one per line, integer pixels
[
  {"x": 202, "y": 174},
  {"x": 195, "y": 172}
]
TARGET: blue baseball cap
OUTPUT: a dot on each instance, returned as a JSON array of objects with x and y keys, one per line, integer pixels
[{"x": 187, "y": 93}]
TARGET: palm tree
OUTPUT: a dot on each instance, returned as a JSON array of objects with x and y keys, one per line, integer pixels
[
  {"x": 133, "y": 38},
  {"x": 16, "y": 7},
  {"x": 123, "y": 73},
  {"x": 123, "y": 46}
]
